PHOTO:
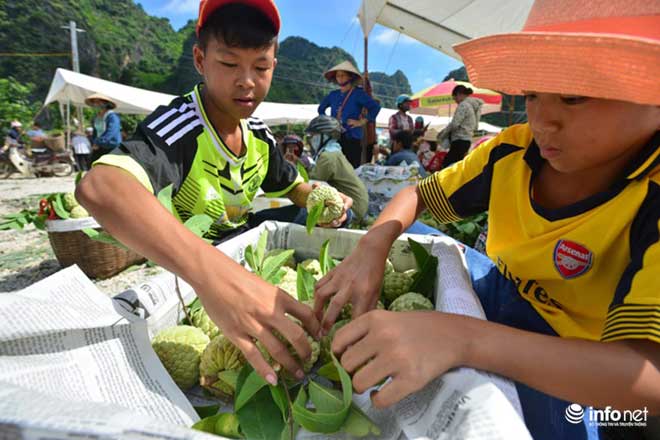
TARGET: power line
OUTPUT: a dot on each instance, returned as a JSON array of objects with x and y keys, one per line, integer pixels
[{"x": 37, "y": 54}]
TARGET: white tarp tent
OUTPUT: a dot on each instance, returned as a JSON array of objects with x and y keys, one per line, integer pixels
[
  {"x": 72, "y": 88},
  {"x": 443, "y": 23}
]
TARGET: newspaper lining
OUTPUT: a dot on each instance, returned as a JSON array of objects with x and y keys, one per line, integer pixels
[{"x": 70, "y": 346}]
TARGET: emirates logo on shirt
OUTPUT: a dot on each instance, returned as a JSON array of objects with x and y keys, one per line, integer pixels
[{"x": 572, "y": 259}]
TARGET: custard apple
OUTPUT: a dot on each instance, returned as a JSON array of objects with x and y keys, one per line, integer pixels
[
  {"x": 289, "y": 282},
  {"x": 331, "y": 200},
  {"x": 411, "y": 272},
  {"x": 69, "y": 201},
  {"x": 347, "y": 310},
  {"x": 389, "y": 267},
  {"x": 411, "y": 301},
  {"x": 201, "y": 320},
  {"x": 326, "y": 341},
  {"x": 78, "y": 212},
  {"x": 291, "y": 262},
  {"x": 396, "y": 284},
  {"x": 179, "y": 349},
  {"x": 220, "y": 356},
  {"x": 307, "y": 365},
  {"x": 312, "y": 266}
]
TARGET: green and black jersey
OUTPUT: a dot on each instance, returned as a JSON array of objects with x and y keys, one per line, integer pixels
[{"x": 177, "y": 145}]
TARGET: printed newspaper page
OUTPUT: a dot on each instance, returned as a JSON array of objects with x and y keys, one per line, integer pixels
[{"x": 63, "y": 340}]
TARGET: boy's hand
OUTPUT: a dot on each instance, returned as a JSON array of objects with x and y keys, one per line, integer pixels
[
  {"x": 251, "y": 311},
  {"x": 427, "y": 345},
  {"x": 357, "y": 279}
]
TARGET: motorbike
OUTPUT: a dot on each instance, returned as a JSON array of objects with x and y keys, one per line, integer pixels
[{"x": 42, "y": 162}]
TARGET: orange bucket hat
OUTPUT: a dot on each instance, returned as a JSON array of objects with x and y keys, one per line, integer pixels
[{"x": 598, "y": 48}]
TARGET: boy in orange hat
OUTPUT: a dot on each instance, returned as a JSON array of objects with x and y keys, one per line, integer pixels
[
  {"x": 216, "y": 157},
  {"x": 574, "y": 229}
]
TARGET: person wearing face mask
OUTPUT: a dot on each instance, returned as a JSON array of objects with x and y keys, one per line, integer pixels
[
  {"x": 347, "y": 104},
  {"x": 107, "y": 125},
  {"x": 332, "y": 166}
]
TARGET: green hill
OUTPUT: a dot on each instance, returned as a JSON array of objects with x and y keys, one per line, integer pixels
[{"x": 123, "y": 43}]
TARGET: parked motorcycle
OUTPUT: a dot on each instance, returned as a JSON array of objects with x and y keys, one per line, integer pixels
[{"x": 43, "y": 162}]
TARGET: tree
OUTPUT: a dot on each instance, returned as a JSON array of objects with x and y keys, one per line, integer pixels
[{"x": 15, "y": 102}]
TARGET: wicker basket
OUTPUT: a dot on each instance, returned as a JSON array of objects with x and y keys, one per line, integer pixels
[
  {"x": 55, "y": 143},
  {"x": 95, "y": 259}
]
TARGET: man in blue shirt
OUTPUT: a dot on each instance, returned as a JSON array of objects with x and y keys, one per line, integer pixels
[
  {"x": 402, "y": 151},
  {"x": 347, "y": 105}
]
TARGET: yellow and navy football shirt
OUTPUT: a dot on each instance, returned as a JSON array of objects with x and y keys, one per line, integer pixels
[
  {"x": 592, "y": 269},
  {"x": 178, "y": 145}
]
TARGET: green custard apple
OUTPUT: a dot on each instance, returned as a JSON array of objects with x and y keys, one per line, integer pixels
[
  {"x": 396, "y": 284},
  {"x": 201, "y": 320},
  {"x": 69, "y": 201},
  {"x": 331, "y": 200},
  {"x": 179, "y": 349},
  {"x": 78, "y": 212},
  {"x": 220, "y": 364},
  {"x": 411, "y": 301}
]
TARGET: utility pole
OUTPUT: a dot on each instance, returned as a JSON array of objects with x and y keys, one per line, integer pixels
[{"x": 73, "y": 32}]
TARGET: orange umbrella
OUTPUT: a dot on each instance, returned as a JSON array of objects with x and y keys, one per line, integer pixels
[{"x": 432, "y": 100}]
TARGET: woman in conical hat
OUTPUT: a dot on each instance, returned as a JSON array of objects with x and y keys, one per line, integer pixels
[
  {"x": 106, "y": 123},
  {"x": 571, "y": 291},
  {"x": 347, "y": 104}
]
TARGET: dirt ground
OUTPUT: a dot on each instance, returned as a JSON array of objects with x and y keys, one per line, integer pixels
[{"x": 26, "y": 256}]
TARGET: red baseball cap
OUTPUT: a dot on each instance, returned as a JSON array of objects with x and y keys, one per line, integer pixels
[{"x": 267, "y": 7}]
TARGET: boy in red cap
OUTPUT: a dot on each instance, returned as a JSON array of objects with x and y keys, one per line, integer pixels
[
  {"x": 574, "y": 229},
  {"x": 216, "y": 157}
]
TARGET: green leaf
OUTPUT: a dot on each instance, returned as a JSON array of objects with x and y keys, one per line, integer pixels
[
  {"x": 58, "y": 205},
  {"x": 199, "y": 224},
  {"x": 253, "y": 383},
  {"x": 272, "y": 265},
  {"x": 15, "y": 225},
  {"x": 313, "y": 217},
  {"x": 79, "y": 176},
  {"x": 286, "y": 432},
  {"x": 251, "y": 260},
  {"x": 329, "y": 371},
  {"x": 302, "y": 171},
  {"x": 103, "y": 237},
  {"x": 207, "y": 411},
  {"x": 195, "y": 305},
  {"x": 325, "y": 400},
  {"x": 39, "y": 222},
  {"x": 424, "y": 280},
  {"x": 224, "y": 424},
  {"x": 227, "y": 425},
  {"x": 279, "y": 397},
  {"x": 304, "y": 284},
  {"x": 419, "y": 251},
  {"x": 261, "y": 248},
  {"x": 260, "y": 418},
  {"x": 358, "y": 424},
  {"x": 330, "y": 421},
  {"x": 165, "y": 198},
  {"x": 327, "y": 262}
]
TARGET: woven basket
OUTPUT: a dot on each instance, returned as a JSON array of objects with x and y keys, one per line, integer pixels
[{"x": 96, "y": 259}]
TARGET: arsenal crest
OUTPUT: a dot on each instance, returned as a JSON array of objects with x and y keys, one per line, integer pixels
[{"x": 572, "y": 259}]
